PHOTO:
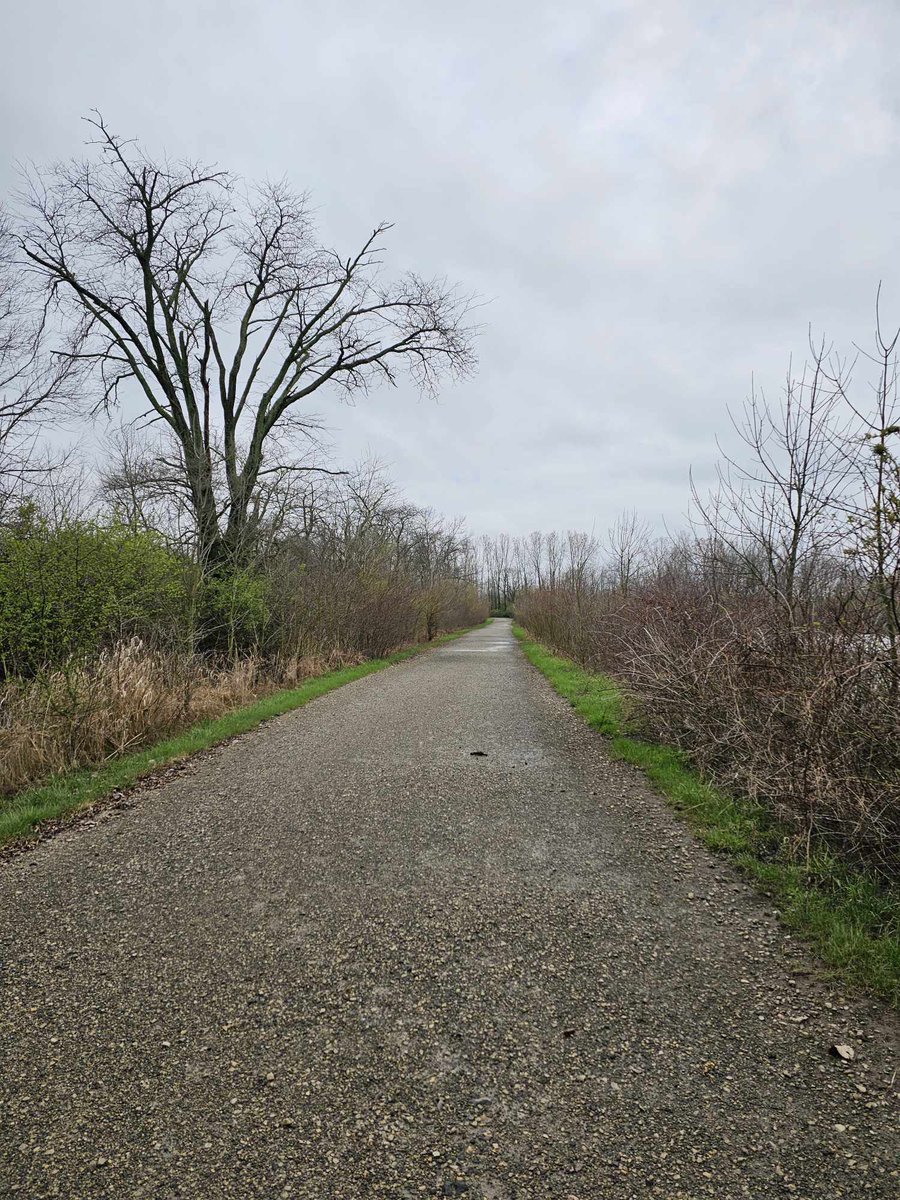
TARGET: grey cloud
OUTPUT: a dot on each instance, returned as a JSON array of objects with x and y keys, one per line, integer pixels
[{"x": 656, "y": 198}]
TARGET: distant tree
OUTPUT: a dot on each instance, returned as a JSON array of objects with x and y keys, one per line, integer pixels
[
  {"x": 533, "y": 559},
  {"x": 499, "y": 571},
  {"x": 627, "y": 545},
  {"x": 226, "y": 312}
]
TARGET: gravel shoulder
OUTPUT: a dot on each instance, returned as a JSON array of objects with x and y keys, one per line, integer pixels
[{"x": 343, "y": 956}]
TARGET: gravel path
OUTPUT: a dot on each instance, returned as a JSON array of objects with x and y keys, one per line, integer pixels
[{"x": 346, "y": 957}]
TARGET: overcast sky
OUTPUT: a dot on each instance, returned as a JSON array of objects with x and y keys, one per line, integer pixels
[{"x": 657, "y": 198}]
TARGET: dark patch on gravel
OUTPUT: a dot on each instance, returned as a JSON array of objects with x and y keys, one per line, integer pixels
[{"x": 338, "y": 958}]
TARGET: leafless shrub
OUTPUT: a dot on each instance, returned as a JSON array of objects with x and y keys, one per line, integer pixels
[
  {"x": 766, "y": 643},
  {"x": 365, "y": 571}
]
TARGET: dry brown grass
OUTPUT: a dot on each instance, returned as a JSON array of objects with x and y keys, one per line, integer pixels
[{"x": 87, "y": 712}]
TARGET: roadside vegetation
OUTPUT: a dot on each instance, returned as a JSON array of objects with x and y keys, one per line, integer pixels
[
  {"x": 69, "y": 791},
  {"x": 752, "y": 663},
  {"x": 207, "y": 554},
  {"x": 113, "y": 636},
  {"x": 848, "y": 913}
]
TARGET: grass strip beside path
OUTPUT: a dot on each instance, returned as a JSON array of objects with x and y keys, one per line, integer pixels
[
  {"x": 851, "y": 918},
  {"x": 22, "y": 814}
]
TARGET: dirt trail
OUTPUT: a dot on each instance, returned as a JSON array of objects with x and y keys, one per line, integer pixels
[{"x": 345, "y": 957}]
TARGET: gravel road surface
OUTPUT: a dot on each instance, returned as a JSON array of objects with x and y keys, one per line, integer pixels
[{"x": 420, "y": 938}]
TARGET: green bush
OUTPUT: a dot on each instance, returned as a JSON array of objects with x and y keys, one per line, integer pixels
[
  {"x": 76, "y": 587},
  {"x": 233, "y": 614}
]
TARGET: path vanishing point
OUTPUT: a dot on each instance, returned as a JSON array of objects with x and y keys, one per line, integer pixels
[{"x": 421, "y": 938}]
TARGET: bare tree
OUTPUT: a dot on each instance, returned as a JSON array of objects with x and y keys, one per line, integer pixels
[
  {"x": 499, "y": 570},
  {"x": 145, "y": 480},
  {"x": 875, "y": 515},
  {"x": 225, "y": 311},
  {"x": 31, "y": 379},
  {"x": 533, "y": 559},
  {"x": 581, "y": 551},
  {"x": 775, "y": 516},
  {"x": 626, "y": 548},
  {"x": 554, "y": 551}
]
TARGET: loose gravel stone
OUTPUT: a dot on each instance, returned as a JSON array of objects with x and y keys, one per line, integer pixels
[{"x": 344, "y": 956}]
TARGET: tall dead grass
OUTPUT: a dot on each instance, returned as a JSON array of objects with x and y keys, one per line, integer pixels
[
  {"x": 127, "y": 697},
  {"x": 92, "y": 709}
]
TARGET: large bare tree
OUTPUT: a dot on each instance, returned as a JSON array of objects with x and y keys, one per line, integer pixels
[{"x": 223, "y": 308}]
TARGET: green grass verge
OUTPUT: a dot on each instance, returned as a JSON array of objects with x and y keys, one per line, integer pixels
[
  {"x": 22, "y": 814},
  {"x": 851, "y": 918}
]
